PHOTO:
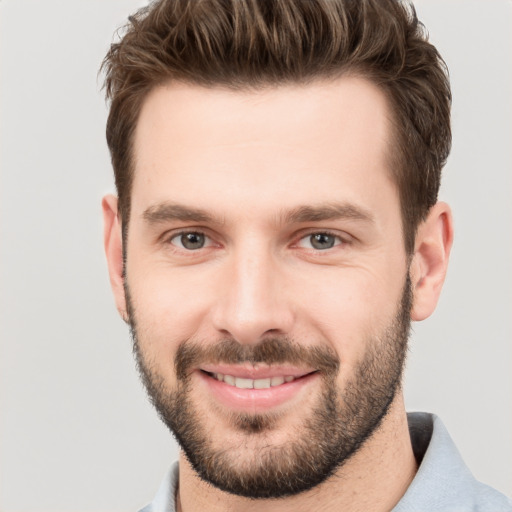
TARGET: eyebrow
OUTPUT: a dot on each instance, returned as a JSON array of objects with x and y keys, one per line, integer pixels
[
  {"x": 330, "y": 211},
  {"x": 165, "y": 212}
]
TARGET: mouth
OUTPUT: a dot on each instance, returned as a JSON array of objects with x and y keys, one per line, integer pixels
[
  {"x": 248, "y": 383},
  {"x": 255, "y": 390}
]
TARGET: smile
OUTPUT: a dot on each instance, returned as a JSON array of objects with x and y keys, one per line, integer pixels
[
  {"x": 242, "y": 383},
  {"x": 255, "y": 390}
]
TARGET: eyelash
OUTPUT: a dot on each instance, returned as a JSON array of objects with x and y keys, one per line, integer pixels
[
  {"x": 168, "y": 239},
  {"x": 339, "y": 240}
]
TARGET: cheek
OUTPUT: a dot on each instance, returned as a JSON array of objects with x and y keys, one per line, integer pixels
[
  {"x": 168, "y": 309},
  {"x": 353, "y": 310}
]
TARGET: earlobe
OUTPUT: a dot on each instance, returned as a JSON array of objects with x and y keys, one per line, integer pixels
[
  {"x": 430, "y": 260},
  {"x": 113, "y": 242}
]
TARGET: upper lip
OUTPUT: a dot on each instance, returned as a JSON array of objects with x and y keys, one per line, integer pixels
[{"x": 248, "y": 371}]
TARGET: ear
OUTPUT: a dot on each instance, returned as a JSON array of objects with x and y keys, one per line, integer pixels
[
  {"x": 113, "y": 241},
  {"x": 430, "y": 260}
]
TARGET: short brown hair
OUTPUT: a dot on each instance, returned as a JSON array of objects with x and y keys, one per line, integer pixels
[{"x": 249, "y": 44}]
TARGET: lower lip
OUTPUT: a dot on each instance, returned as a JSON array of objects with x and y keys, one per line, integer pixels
[{"x": 255, "y": 400}]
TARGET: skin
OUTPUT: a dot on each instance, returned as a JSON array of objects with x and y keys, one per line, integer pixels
[{"x": 250, "y": 160}]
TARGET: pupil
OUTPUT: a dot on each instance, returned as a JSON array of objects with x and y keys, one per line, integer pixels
[
  {"x": 322, "y": 241},
  {"x": 192, "y": 240}
]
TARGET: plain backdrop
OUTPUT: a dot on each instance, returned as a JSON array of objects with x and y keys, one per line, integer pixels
[{"x": 77, "y": 433}]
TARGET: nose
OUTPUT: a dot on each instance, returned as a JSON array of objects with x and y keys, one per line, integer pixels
[{"x": 253, "y": 303}]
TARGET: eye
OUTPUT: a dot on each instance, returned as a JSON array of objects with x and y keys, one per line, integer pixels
[
  {"x": 320, "y": 241},
  {"x": 190, "y": 240}
]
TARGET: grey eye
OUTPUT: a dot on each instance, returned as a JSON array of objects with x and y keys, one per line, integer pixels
[
  {"x": 191, "y": 241},
  {"x": 321, "y": 241}
]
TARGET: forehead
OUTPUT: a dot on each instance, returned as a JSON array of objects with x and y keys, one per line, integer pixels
[{"x": 281, "y": 144}]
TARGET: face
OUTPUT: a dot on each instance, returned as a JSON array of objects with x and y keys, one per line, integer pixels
[{"x": 266, "y": 277}]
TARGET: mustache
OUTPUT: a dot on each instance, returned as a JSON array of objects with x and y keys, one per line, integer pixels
[{"x": 276, "y": 350}]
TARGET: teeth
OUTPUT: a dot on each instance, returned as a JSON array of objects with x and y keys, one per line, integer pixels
[
  {"x": 250, "y": 383},
  {"x": 244, "y": 383},
  {"x": 261, "y": 383},
  {"x": 228, "y": 379},
  {"x": 276, "y": 381}
]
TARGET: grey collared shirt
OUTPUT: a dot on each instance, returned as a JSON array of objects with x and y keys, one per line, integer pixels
[{"x": 443, "y": 482}]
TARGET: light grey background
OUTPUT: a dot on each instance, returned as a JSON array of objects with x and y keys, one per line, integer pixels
[{"x": 76, "y": 431}]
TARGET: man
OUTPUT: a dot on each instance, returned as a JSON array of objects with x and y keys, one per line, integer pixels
[{"x": 277, "y": 228}]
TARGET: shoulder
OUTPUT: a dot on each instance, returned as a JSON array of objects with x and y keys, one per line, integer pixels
[
  {"x": 164, "y": 500},
  {"x": 443, "y": 482}
]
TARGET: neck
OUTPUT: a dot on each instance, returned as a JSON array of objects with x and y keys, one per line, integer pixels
[{"x": 375, "y": 478}]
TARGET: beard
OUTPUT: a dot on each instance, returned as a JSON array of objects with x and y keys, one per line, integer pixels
[{"x": 336, "y": 427}]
